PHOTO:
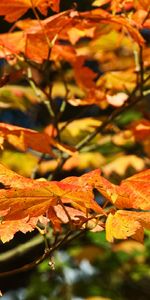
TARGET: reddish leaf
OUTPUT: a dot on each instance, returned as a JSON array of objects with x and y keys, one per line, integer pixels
[
  {"x": 141, "y": 129},
  {"x": 84, "y": 76}
]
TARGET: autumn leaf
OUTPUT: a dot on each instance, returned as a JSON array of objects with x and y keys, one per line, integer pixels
[
  {"x": 123, "y": 138},
  {"x": 140, "y": 129},
  {"x": 14, "y": 9},
  {"x": 144, "y": 4},
  {"x": 41, "y": 38},
  {"x": 79, "y": 161},
  {"x": 86, "y": 182},
  {"x": 9, "y": 228},
  {"x": 75, "y": 130},
  {"x": 89, "y": 57},
  {"x": 12, "y": 43},
  {"x": 107, "y": 18},
  {"x": 75, "y": 34},
  {"x": 84, "y": 75},
  {"x": 58, "y": 215},
  {"x": 133, "y": 192},
  {"x": 122, "y": 163},
  {"x": 25, "y": 200},
  {"x": 129, "y": 247},
  {"x": 124, "y": 224},
  {"x": 117, "y": 81},
  {"x": 23, "y": 139},
  {"x": 36, "y": 41},
  {"x": 100, "y": 2}
]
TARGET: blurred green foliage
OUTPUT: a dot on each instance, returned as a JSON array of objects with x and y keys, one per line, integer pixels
[{"x": 91, "y": 268}]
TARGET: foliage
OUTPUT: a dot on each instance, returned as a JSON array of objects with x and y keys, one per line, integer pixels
[{"x": 87, "y": 69}]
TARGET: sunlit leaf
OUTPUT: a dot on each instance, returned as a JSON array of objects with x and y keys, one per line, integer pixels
[
  {"x": 133, "y": 192},
  {"x": 122, "y": 163},
  {"x": 14, "y": 9},
  {"x": 23, "y": 139},
  {"x": 22, "y": 198},
  {"x": 124, "y": 224}
]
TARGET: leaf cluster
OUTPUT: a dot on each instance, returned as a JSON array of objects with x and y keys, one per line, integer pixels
[{"x": 97, "y": 61}]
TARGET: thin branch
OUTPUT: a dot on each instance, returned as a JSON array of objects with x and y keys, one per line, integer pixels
[
  {"x": 131, "y": 102},
  {"x": 46, "y": 254},
  {"x": 141, "y": 71},
  {"x": 21, "y": 249}
]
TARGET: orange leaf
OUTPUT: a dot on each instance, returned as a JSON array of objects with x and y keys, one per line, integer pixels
[
  {"x": 123, "y": 224},
  {"x": 105, "y": 17},
  {"x": 9, "y": 228},
  {"x": 39, "y": 38},
  {"x": 87, "y": 183},
  {"x": 14, "y": 9},
  {"x": 145, "y": 4},
  {"x": 22, "y": 198},
  {"x": 22, "y": 139},
  {"x": 14, "y": 42},
  {"x": 141, "y": 129},
  {"x": 84, "y": 76},
  {"x": 133, "y": 192}
]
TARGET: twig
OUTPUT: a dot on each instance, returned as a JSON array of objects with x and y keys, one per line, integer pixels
[
  {"x": 21, "y": 249},
  {"x": 46, "y": 254},
  {"x": 141, "y": 71},
  {"x": 131, "y": 102}
]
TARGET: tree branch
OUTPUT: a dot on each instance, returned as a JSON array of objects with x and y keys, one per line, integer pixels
[
  {"x": 21, "y": 249},
  {"x": 47, "y": 253},
  {"x": 131, "y": 102}
]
